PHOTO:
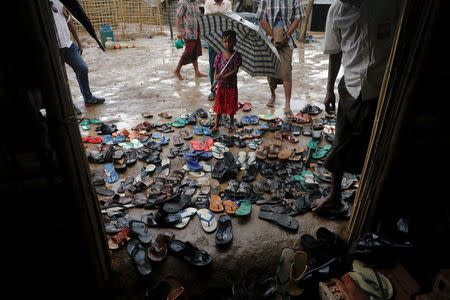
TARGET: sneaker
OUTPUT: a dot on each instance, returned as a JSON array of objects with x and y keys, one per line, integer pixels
[
  {"x": 94, "y": 100},
  {"x": 212, "y": 96}
]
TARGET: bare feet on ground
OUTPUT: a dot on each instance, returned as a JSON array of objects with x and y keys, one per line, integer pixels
[
  {"x": 317, "y": 204},
  {"x": 178, "y": 75}
]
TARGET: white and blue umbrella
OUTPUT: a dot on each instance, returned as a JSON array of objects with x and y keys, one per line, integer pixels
[{"x": 259, "y": 55}]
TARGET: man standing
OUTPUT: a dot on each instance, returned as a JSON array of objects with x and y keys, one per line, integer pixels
[
  {"x": 359, "y": 34},
  {"x": 212, "y": 7},
  {"x": 279, "y": 19},
  {"x": 71, "y": 53},
  {"x": 187, "y": 25}
]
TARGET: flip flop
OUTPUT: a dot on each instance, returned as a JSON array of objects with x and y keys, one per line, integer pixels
[
  {"x": 206, "y": 166},
  {"x": 282, "y": 220},
  {"x": 186, "y": 134},
  {"x": 95, "y": 121},
  {"x": 284, "y": 269},
  {"x": 209, "y": 223},
  {"x": 217, "y": 152},
  {"x": 267, "y": 117},
  {"x": 165, "y": 115},
  {"x": 244, "y": 209},
  {"x": 285, "y": 153},
  {"x": 254, "y": 120},
  {"x": 262, "y": 151},
  {"x": 298, "y": 268},
  {"x": 251, "y": 158},
  {"x": 241, "y": 160},
  {"x": 271, "y": 103},
  {"x": 197, "y": 145},
  {"x": 185, "y": 216},
  {"x": 138, "y": 253},
  {"x": 215, "y": 204},
  {"x": 85, "y": 125},
  {"x": 224, "y": 233},
  {"x": 198, "y": 130},
  {"x": 289, "y": 114},
  {"x": 111, "y": 174},
  {"x": 321, "y": 152},
  {"x": 247, "y": 106},
  {"x": 230, "y": 206},
  {"x": 92, "y": 140}
]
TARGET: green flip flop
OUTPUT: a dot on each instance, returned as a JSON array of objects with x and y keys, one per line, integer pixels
[
  {"x": 178, "y": 122},
  {"x": 313, "y": 144},
  {"x": 85, "y": 125},
  {"x": 321, "y": 152},
  {"x": 244, "y": 209},
  {"x": 95, "y": 121}
]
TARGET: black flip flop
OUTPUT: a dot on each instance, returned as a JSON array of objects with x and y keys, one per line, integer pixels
[
  {"x": 138, "y": 253},
  {"x": 282, "y": 220},
  {"x": 173, "y": 207},
  {"x": 141, "y": 231},
  {"x": 224, "y": 233}
]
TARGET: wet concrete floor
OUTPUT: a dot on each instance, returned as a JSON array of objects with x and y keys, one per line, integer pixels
[{"x": 141, "y": 79}]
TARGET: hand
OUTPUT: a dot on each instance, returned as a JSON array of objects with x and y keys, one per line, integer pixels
[
  {"x": 279, "y": 43},
  {"x": 219, "y": 77},
  {"x": 179, "y": 35},
  {"x": 80, "y": 48},
  {"x": 330, "y": 103}
]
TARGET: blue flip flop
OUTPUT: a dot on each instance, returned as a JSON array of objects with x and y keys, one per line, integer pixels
[
  {"x": 198, "y": 130},
  {"x": 111, "y": 174},
  {"x": 206, "y": 130},
  {"x": 253, "y": 119},
  {"x": 108, "y": 139},
  {"x": 245, "y": 120},
  {"x": 192, "y": 162},
  {"x": 163, "y": 141}
]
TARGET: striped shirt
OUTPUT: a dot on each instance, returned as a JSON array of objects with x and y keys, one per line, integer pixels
[
  {"x": 189, "y": 12},
  {"x": 288, "y": 9}
]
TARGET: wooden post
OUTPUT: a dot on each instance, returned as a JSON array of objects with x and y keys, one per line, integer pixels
[
  {"x": 168, "y": 18},
  {"x": 139, "y": 15},
  {"x": 304, "y": 24},
  {"x": 122, "y": 17},
  {"x": 159, "y": 16}
]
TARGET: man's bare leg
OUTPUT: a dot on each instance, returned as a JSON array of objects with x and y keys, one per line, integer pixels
[
  {"x": 177, "y": 71},
  {"x": 273, "y": 97},
  {"x": 335, "y": 193},
  {"x": 287, "y": 85},
  {"x": 197, "y": 72}
]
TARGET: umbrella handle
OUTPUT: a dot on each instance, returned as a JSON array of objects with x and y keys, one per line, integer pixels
[{"x": 214, "y": 85}]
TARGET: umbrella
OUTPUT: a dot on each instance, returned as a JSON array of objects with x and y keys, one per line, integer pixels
[
  {"x": 259, "y": 55},
  {"x": 78, "y": 12}
]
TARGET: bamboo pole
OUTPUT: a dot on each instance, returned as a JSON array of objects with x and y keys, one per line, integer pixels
[
  {"x": 304, "y": 23},
  {"x": 139, "y": 15},
  {"x": 122, "y": 17},
  {"x": 159, "y": 17},
  {"x": 168, "y": 18}
]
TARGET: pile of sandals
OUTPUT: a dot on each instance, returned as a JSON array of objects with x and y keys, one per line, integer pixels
[{"x": 277, "y": 174}]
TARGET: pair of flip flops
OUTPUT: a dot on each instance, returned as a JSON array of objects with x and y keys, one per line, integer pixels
[
  {"x": 179, "y": 122},
  {"x": 202, "y": 130},
  {"x": 92, "y": 139},
  {"x": 85, "y": 123},
  {"x": 250, "y": 120}
]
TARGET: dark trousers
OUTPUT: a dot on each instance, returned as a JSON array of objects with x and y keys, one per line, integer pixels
[
  {"x": 354, "y": 124},
  {"x": 73, "y": 58}
]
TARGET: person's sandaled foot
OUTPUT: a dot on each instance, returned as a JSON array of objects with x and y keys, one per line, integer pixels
[
  {"x": 232, "y": 128},
  {"x": 289, "y": 114},
  {"x": 200, "y": 75},
  {"x": 271, "y": 103},
  {"x": 178, "y": 75}
]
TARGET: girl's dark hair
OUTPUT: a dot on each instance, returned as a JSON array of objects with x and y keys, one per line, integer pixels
[{"x": 229, "y": 34}]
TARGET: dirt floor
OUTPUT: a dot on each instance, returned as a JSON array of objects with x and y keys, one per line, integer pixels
[{"x": 141, "y": 79}]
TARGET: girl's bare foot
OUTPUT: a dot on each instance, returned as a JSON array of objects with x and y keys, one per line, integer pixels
[
  {"x": 178, "y": 75},
  {"x": 232, "y": 128},
  {"x": 215, "y": 129}
]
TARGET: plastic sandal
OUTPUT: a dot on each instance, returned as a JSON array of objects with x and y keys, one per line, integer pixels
[
  {"x": 209, "y": 223},
  {"x": 215, "y": 204}
]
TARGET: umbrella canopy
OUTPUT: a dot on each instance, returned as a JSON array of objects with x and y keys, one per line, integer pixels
[
  {"x": 259, "y": 55},
  {"x": 77, "y": 11}
]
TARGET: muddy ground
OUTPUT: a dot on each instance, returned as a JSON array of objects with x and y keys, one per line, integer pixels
[{"x": 141, "y": 79}]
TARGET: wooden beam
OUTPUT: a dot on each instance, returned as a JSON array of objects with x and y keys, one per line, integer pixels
[
  {"x": 169, "y": 19},
  {"x": 304, "y": 23}
]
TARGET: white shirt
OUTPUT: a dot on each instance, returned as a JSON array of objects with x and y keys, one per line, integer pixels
[
  {"x": 365, "y": 38},
  {"x": 212, "y": 7},
  {"x": 63, "y": 33}
]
